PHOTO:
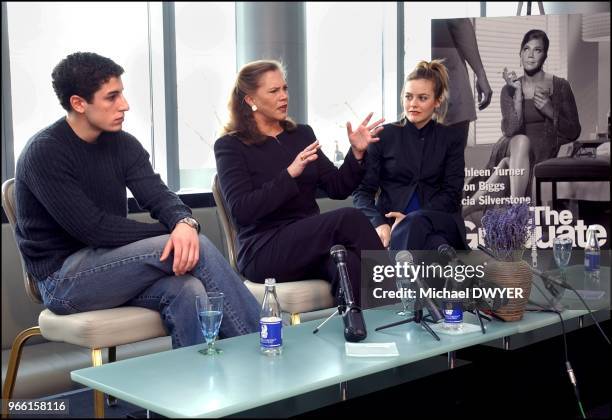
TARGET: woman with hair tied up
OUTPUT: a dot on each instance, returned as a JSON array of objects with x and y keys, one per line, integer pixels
[
  {"x": 417, "y": 170},
  {"x": 269, "y": 169}
]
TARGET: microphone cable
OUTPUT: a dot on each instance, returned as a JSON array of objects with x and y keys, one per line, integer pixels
[
  {"x": 568, "y": 366},
  {"x": 566, "y": 285},
  {"x": 563, "y": 284}
]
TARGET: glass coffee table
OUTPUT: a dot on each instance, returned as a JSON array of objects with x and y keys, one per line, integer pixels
[{"x": 312, "y": 372}]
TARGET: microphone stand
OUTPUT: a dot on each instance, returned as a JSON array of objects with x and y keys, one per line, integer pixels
[
  {"x": 475, "y": 311},
  {"x": 480, "y": 316},
  {"x": 339, "y": 311},
  {"x": 417, "y": 318},
  {"x": 316, "y": 330},
  {"x": 342, "y": 308}
]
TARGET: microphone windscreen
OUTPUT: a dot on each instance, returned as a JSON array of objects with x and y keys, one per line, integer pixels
[
  {"x": 337, "y": 248},
  {"x": 404, "y": 257},
  {"x": 447, "y": 251},
  {"x": 338, "y": 253}
]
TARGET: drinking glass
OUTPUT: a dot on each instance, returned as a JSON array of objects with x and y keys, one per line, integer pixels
[
  {"x": 406, "y": 284},
  {"x": 562, "y": 250},
  {"x": 209, "y": 308}
]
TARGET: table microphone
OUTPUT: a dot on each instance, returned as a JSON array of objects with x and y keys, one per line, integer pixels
[
  {"x": 449, "y": 283},
  {"x": 449, "y": 252},
  {"x": 354, "y": 324},
  {"x": 405, "y": 257},
  {"x": 550, "y": 282}
]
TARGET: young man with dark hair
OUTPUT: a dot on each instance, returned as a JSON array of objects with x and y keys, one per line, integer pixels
[{"x": 72, "y": 226}]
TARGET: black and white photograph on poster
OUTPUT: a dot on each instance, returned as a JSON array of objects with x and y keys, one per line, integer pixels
[{"x": 531, "y": 96}]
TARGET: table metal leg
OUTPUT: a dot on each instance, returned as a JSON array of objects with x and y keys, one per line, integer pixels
[
  {"x": 344, "y": 391},
  {"x": 112, "y": 357},
  {"x": 452, "y": 359},
  {"x": 506, "y": 341}
]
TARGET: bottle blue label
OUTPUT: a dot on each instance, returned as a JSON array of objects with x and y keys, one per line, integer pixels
[
  {"x": 453, "y": 312},
  {"x": 591, "y": 262},
  {"x": 270, "y": 332}
]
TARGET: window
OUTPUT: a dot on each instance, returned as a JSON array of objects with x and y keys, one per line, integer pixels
[
  {"x": 206, "y": 68},
  {"x": 417, "y": 26},
  {"x": 509, "y": 8},
  {"x": 350, "y": 70},
  {"x": 41, "y": 34}
]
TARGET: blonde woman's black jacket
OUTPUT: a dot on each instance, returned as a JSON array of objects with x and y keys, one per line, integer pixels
[{"x": 429, "y": 161}]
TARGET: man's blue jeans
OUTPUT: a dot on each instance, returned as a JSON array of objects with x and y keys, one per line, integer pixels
[{"x": 133, "y": 275}]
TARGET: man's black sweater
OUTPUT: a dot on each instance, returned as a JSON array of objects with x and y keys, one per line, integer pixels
[{"x": 71, "y": 194}]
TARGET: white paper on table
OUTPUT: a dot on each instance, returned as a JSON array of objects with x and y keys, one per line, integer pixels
[
  {"x": 371, "y": 349},
  {"x": 465, "y": 329}
]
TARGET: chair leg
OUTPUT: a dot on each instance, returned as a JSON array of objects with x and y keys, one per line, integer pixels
[
  {"x": 96, "y": 359},
  {"x": 112, "y": 357},
  {"x": 295, "y": 319},
  {"x": 13, "y": 365}
]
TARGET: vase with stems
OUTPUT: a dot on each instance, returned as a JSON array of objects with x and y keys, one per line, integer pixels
[{"x": 507, "y": 229}]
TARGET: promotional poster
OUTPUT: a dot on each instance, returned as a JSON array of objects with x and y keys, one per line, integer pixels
[{"x": 535, "y": 91}]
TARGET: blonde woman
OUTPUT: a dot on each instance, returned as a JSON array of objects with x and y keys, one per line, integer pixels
[{"x": 418, "y": 167}]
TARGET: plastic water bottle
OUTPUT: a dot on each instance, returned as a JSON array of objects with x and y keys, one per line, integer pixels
[
  {"x": 591, "y": 260},
  {"x": 270, "y": 322},
  {"x": 452, "y": 309}
]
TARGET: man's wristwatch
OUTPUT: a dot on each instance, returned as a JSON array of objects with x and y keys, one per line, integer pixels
[{"x": 191, "y": 222}]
